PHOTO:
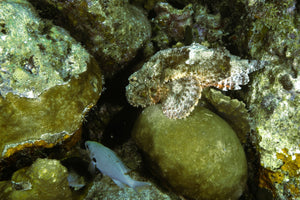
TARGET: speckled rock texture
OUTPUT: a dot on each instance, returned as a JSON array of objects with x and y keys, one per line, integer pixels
[
  {"x": 45, "y": 179},
  {"x": 275, "y": 112},
  {"x": 199, "y": 157},
  {"x": 48, "y": 81},
  {"x": 275, "y": 30},
  {"x": 113, "y": 31},
  {"x": 105, "y": 188},
  {"x": 170, "y": 24},
  {"x": 274, "y": 96},
  {"x": 190, "y": 24}
]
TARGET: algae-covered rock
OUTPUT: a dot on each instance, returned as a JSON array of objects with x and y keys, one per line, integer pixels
[
  {"x": 170, "y": 24},
  {"x": 48, "y": 80},
  {"x": 112, "y": 31},
  {"x": 274, "y": 98},
  {"x": 106, "y": 189},
  {"x": 207, "y": 27},
  {"x": 274, "y": 109},
  {"x": 193, "y": 23},
  {"x": 199, "y": 157},
  {"x": 275, "y": 29},
  {"x": 46, "y": 179},
  {"x": 147, "y": 4},
  {"x": 232, "y": 110}
]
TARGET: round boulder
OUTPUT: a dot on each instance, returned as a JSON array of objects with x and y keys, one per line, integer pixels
[{"x": 199, "y": 157}]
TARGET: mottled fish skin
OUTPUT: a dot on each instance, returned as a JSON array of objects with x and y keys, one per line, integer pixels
[
  {"x": 109, "y": 164},
  {"x": 175, "y": 77}
]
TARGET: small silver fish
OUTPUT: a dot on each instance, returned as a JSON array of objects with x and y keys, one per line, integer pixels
[
  {"x": 75, "y": 181},
  {"x": 111, "y": 165}
]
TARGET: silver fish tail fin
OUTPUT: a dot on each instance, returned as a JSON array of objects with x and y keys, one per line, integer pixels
[{"x": 138, "y": 186}]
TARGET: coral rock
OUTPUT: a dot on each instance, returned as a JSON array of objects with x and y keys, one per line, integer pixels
[
  {"x": 113, "y": 31},
  {"x": 48, "y": 81},
  {"x": 276, "y": 117},
  {"x": 232, "y": 110},
  {"x": 45, "y": 179},
  {"x": 171, "y": 23}
]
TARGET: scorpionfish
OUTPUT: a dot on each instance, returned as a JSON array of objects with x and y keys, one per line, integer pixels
[{"x": 175, "y": 77}]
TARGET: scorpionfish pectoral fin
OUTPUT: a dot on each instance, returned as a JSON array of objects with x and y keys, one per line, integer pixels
[{"x": 182, "y": 97}]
